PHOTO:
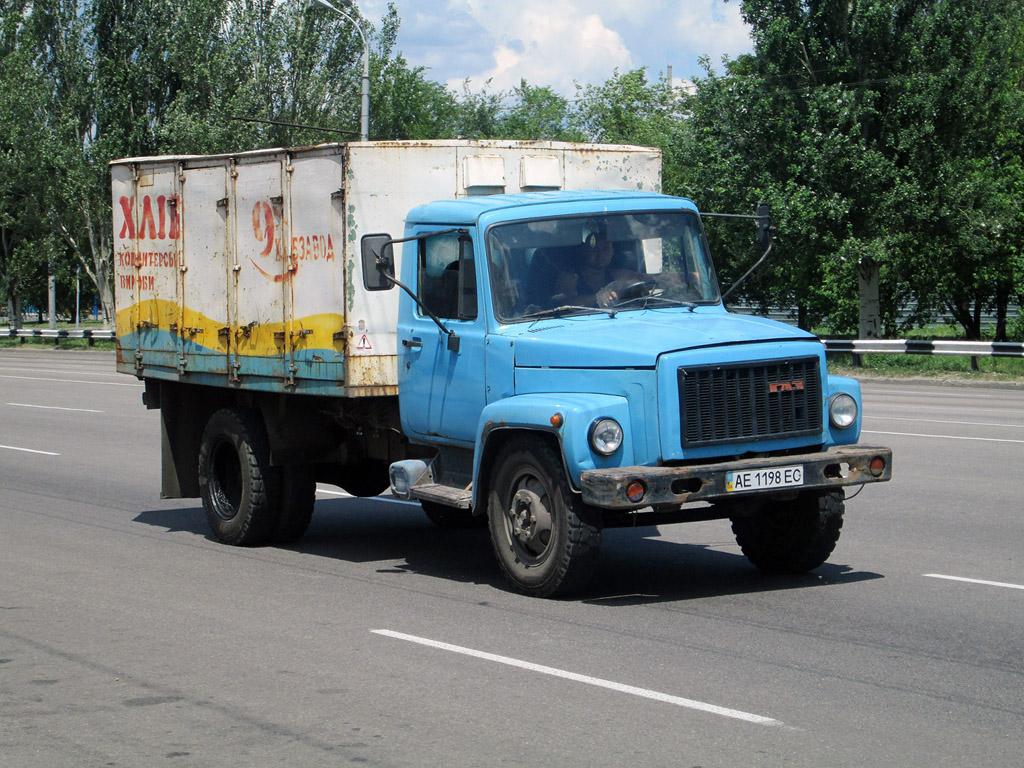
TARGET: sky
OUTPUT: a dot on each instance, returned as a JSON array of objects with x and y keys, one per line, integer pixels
[{"x": 558, "y": 42}]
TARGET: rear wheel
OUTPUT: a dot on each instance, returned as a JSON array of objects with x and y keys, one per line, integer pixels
[
  {"x": 540, "y": 537},
  {"x": 238, "y": 486},
  {"x": 793, "y": 536},
  {"x": 298, "y": 495}
]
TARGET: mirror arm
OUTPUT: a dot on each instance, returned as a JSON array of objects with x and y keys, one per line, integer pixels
[
  {"x": 705, "y": 215},
  {"x": 746, "y": 274},
  {"x": 426, "y": 235},
  {"x": 453, "y": 340}
]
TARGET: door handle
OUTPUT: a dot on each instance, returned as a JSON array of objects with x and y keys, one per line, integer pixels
[{"x": 412, "y": 343}]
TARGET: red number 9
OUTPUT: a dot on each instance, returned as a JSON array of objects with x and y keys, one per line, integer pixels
[{"x": 263, "y": 226}]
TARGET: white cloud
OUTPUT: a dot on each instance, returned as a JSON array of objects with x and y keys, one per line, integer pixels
[
  {"x": 557, "y": 42},
  {"x": 713, "y": 27},
  {"x": 545, "y": 48}
]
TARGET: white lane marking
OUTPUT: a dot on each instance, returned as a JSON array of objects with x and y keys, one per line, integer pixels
[
  {"x": 975, "y": 581},
  {"x": 343, "y": 494},
  {"x": 28, "y": 450},
  {"x": 940, "y": 421},
  {"x": 80, "y": 370},
  {"x": 941, "y": 437},
  {"x": 55, "y": 408},
  {"x": 72, "y": 381},
  {"x": 333, "y": 493},
  {"x": 924, "y": 391},
  {"x": 596, "y": 681}
]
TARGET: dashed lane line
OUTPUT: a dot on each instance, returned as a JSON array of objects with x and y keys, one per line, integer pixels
[
  {"x": 55, "y": 408},
  {"x": 941, "y": 437},
  {"x": 72, "y": 381},
  {"x": 975, "y": 581},
  {"x": 586, "y": 679},
  {"x": 29, "y": 450}
]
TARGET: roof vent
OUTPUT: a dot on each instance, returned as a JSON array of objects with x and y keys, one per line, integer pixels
[
  {"x": 484, "y": 173},
  {"x": 540, "y": 172}
]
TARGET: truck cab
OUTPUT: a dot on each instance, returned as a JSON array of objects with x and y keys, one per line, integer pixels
[{"x": 569, "y": 358}]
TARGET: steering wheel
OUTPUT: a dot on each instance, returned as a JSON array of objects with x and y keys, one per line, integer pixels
[{"x": 618, "y": 291}]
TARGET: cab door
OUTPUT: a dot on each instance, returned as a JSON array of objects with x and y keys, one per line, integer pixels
[{"x": 441, "y": 376}]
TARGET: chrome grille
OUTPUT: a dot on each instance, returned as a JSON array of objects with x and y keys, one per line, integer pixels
[{"x": 764, "y": 400}]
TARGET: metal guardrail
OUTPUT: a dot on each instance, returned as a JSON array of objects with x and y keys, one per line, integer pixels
[
  {"x": 57, "y": 334},
  {"x": 903, "y": 314},
  {"x": 849, "y": 346},
  {"x": 922, "y": 347}
]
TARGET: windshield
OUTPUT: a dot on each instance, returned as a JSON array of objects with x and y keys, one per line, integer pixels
[{"x": 607, "y": 263}]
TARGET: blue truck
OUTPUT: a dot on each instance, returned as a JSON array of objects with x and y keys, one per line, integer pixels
[{"x": 545, "y": 352}]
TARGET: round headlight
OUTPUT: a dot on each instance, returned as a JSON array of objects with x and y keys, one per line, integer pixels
[
  {"x": 842, "y": 410},
  {"x": 605, "y": 436}
]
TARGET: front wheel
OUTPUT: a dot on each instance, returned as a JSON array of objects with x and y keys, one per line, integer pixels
[
  {"x": 542, "y": 542},
  {"x": 238, "y": 486},
  {"x": 792, "y": 536}
]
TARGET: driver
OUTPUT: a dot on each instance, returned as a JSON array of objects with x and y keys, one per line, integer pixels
[{"x": 584, "y": 282}]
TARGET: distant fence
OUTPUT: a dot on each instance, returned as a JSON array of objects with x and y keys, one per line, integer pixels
[
  {"x": 57, "y": 334},
  {"x": 903, "y": 314},
  {"x": 921, "y": 347},
  {"x": 837, "y": 346}
]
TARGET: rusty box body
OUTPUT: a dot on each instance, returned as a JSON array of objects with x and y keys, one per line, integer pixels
[{"x": 243, "y": 270}]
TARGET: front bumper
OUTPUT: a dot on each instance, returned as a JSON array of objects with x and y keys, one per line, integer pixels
[{"x": 672, "y": 486}]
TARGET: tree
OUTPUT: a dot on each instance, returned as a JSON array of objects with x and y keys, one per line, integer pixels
[
  {"x": 84, "y": 83},
  {"x": 406, "y": 105},
  {"x": 537, "y": 112},
  {"x": 871, "y": 126},
  {"x": 629, "y": 109}
]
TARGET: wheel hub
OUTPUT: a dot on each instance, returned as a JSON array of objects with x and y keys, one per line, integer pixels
[{"x": 530, "y": 520}]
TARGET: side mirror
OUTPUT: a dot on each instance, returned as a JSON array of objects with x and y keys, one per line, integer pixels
[
  {"x": 378, "y": 262},
  {"x": 764, "y": 226}
]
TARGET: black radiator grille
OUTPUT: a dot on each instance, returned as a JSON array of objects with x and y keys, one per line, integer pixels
[{"x": 767, "y": 400}]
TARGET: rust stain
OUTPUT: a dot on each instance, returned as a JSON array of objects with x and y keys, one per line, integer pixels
[{"x": 373, "y": 371}]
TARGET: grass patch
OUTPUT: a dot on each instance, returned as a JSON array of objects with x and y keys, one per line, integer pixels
[
  {"x": 6, "y": 342},
  {"x": 64, "y": 343},
  {"x": 929, "y": 366}
]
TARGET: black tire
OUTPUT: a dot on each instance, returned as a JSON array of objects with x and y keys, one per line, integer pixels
[
  {"x": 543, "y": 544},
  {"x": 238, "y": 486},
  {"x": 450, "y": 517},
  {"x": 298, "y": 495},
  {"x": 793, "y": 536},
  {"x": 368, "y": 477}
]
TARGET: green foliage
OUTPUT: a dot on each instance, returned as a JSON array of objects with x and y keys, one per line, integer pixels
[
  {"x": 929, "y": 366},
  {"x": 629, "y": 109},
  {"x": 406, "y": 105},
  {"x": 888, "y": 135},
  {"x": 537, "y": 113}
]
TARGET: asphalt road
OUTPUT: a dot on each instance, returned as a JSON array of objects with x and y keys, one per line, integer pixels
[{"x": 129, "y": 638}]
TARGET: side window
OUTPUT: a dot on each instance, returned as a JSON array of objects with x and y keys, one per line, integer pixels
[{"x": 446, "y": 282}]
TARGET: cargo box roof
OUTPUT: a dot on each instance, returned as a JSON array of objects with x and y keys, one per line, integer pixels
[{"x": 467, "y": 210}]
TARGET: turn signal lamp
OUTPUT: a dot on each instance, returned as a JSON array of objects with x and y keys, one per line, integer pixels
[{"x": 635, "y": 491}]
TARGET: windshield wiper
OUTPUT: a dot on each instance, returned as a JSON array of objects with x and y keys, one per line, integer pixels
[
  {"x": 564, "y": 310},
  {"x": 664, "y": 301}
]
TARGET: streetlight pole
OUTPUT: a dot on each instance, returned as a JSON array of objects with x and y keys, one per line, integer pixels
[{"x": 364, "y": 122}]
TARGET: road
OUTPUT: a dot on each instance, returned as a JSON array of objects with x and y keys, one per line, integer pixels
[{"x": 129, "y": 638}]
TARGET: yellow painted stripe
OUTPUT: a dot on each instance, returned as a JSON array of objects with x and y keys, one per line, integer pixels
[{"x": 159, "y": 314}]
